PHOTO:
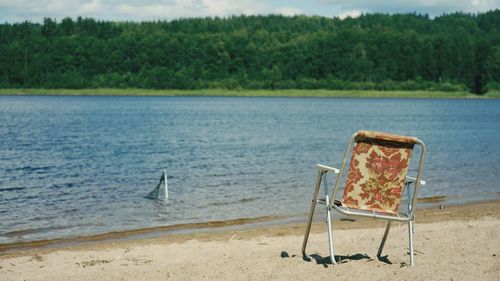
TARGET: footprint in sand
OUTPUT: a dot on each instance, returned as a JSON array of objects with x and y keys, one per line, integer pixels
[
  {"x": 92, "y": 263},
  {"x": 140, "y": 260}
]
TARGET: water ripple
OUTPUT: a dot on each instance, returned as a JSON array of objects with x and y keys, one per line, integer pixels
[{"x": 82, "y": 165}]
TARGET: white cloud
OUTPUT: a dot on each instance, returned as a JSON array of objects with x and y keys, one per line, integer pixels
[
  {"x": 289, "y": 11},
  {"x": 230, "y": 7},
  {"x": 164, "y": 10},
  {"x": 433, "y": 7},
  {"x": 95, "y": 6},
  {"x": 36, "y": 10},
  {"x": 187, "y": 8},
  {"x": 350, "y": 14}
]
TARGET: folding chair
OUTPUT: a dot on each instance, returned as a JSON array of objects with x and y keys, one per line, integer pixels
[{"x": 374, "y": 186}]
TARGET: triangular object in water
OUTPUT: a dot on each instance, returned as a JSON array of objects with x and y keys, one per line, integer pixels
[{"x": 156, "y": 191}]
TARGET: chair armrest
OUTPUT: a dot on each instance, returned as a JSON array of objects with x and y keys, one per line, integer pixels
[
  {"x": 412, "y": 179},
  {"x": 324, "y": 168}
]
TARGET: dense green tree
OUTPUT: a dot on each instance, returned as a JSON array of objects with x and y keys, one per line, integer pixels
[{"x": 374, "y": 51}]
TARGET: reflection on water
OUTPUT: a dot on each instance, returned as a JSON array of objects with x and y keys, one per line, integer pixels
[{"x": 74, "y": 166}]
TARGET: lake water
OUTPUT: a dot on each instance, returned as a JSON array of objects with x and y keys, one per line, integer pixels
[{"x": 72, "y": 166}]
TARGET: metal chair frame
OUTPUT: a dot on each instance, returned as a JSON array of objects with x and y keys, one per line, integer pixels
[{"x": 408, "y": 216}]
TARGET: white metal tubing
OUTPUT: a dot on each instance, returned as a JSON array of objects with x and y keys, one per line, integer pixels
[
  {"x": 311, "y": 213},
  {"x": 419, "y": 172},
  {"x": 329, "y": 220},
  {"x": 410, "y": 237},
  {"x": 382, "y": 243},
  {"x": 371, "y": 214},
  {"x": 410, "y": 223},
  {"x": 412, "y": 179},
  {"x": 342, "y": 167},
  {"x": 410, "y": 202},
  {"x": 325, "y": 168}
]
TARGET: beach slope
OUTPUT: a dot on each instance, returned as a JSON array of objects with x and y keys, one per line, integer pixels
[{"x": 455, "y": 243}]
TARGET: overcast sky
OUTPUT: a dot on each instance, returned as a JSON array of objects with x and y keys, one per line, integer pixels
[{"x": 139, "y": 10}]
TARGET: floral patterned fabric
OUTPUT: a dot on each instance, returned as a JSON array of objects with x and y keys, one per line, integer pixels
[{"x": 377, "y": 171}]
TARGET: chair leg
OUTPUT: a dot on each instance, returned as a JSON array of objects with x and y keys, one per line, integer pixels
[
  {"x": 311, "y": 213},
  {"x": 330, "y": 234},
  {"x": 410, "y": 238},
  {"x": 329, "y": 221},
  {"x": 382, "y": 243}
]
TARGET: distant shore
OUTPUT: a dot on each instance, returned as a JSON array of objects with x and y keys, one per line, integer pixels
[
  {"x": 249, "y": 93},
  {"x": 451, "y": 243}
]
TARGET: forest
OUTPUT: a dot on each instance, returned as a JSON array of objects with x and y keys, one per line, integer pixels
[{"x": 452, "y": 52}]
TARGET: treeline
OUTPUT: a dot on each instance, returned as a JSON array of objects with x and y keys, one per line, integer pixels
[{"x": 375, "y": 51}]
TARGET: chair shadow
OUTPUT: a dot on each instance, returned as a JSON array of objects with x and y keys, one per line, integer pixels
[
  {"x": 384, "y": 259},
  {"x": 325, "y": 261}
]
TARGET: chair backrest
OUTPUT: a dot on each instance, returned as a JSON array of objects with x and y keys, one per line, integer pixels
[{"x": 377, "y": 171}]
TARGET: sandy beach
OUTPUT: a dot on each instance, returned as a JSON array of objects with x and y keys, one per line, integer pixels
[{"x": 452, "y": 243}]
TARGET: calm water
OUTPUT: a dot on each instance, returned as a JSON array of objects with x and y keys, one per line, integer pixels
[{"x": 73, "y": 166}]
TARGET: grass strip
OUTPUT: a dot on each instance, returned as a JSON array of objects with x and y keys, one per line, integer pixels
[{"x": 247, "y": 93}]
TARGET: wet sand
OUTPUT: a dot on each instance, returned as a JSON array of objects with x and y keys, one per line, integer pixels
[{"x": 451, "y": 243}]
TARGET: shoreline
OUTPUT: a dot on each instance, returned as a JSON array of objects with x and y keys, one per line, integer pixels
[
  {"x": 319, "y": 93},
  {"x": 439, "y": 205},
  {"x": 454, "y": 243}
]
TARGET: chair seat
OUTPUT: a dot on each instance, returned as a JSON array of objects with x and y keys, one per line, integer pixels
[{"x": 340, "y": 207}]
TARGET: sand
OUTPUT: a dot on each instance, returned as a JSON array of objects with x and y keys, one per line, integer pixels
[{"x": 454, "y": 243}]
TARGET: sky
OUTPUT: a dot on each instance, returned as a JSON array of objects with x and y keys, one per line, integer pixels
[{"x": 142, "y": 10}]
